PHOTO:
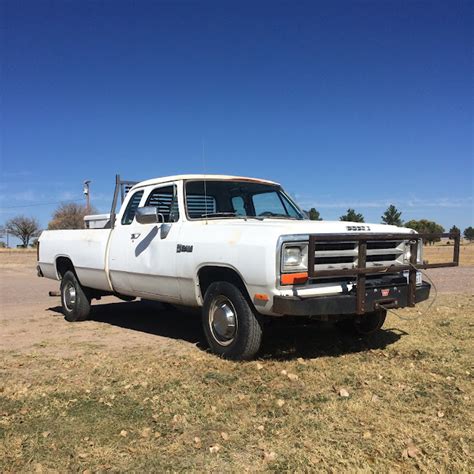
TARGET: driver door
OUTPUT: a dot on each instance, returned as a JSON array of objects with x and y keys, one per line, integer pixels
[{"x": 143, "y": 256}]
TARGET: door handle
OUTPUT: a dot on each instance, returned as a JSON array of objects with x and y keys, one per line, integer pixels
[{"x": 134, "y": 236}]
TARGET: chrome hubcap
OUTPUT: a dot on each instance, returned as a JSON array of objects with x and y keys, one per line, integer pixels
[
  {"x": 223, "y": 320},
  {"x": 69, "y": 296}
]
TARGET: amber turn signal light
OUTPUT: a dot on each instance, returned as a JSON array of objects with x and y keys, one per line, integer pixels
[{"x": 294, "y": 278}]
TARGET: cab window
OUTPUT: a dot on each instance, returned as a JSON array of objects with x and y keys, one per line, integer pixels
[
  {"x": 165, "y": 199},
  {"x": 131, "y": 209},
  {"x": 268, "y": 203}
]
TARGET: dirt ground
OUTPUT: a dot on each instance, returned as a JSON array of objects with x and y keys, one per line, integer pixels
[
  {"x": 134, "y": 388},
  {"x": 29, "y": 316}
]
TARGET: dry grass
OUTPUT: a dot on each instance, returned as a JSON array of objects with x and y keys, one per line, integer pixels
[
  {"x": 146, "y": 409},
  {"x": 17, "y": 257},
  {"x": 439, "y": 252},
  {"x": 444, "y": 253},
  {"x": 24, "y": 260},
  {"x": 80, "y": 403}
]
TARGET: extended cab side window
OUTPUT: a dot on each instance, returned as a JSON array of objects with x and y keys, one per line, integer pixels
[
  {"x": 132, "y": 206},
  {"x": 166, "y": 200}
]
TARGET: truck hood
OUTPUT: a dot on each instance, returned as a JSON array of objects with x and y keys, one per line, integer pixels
[{"x": 291, "y": 227}]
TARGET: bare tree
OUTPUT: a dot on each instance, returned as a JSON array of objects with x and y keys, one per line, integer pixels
[
  {"x": 24, "y": 228},
  {"x": 69, "y": 216}
]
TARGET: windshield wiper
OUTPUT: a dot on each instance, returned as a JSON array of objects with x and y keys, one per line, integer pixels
[
  {"x": 219, "y": 214},
  {"x": 249, "y": 217},
  {"x": 230, "y": 214},
  {"x": 259, "y": 218},
  {"x": 274, "y": 215}
]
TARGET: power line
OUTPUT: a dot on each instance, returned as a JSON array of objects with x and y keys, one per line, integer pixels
[{"x": 42, "y": 204}]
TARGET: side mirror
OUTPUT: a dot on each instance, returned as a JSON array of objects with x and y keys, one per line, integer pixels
[{"x": 149, "y": 215}]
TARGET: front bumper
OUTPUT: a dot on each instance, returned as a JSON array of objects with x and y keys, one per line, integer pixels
[{"x": 397, "y": 297}]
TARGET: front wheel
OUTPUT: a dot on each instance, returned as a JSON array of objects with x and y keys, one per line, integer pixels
[
  {"x": 76, "y": 304},
  {"x": 232, "y": 328}
]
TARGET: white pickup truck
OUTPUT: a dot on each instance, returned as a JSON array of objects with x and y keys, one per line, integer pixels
[{"x": 239, "y": 248}]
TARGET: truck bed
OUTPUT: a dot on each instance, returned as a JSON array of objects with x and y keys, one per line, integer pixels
[{"x": 85, "y": 247}]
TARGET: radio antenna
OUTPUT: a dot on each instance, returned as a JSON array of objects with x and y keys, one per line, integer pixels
[{"x": 204, "y": 172}]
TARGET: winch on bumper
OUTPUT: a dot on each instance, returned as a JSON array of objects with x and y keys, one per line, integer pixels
[{"x": 375, "y": 297}]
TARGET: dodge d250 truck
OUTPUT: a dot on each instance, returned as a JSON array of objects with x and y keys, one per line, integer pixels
[{"x": 240, "y": 249}]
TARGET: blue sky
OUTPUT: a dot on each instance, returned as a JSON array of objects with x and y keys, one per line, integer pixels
[{"x": 347, "y": 104}]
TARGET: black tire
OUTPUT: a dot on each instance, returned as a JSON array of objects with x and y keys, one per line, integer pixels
[
  {"x": 76, "y": 304},
  {"x": 368, "y": 323},
  {"x": 224, "y": 301}
]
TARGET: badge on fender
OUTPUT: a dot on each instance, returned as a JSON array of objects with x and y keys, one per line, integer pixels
[{"x": 184, "y": 248}]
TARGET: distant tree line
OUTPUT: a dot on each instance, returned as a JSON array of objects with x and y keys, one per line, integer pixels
[
  {"x": 469, "y": 233},
  {"x": 27, "y": 229},
  {"x": 392, "y": 216},
  {"x": 71, "y": 216},
  {"x": 424, "y": 226}
]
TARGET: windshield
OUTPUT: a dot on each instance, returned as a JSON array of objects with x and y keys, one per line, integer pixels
[{"x": 208, "y": 199}]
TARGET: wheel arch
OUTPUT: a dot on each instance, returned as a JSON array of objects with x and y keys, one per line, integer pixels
[
  {"x": 63, "y": 263},
  {"x": 211, "y": 273}
]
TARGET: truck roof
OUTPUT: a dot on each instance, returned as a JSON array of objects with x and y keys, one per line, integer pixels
[{"x": 179, "y": 177}]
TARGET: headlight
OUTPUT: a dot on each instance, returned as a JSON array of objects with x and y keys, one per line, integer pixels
[{"x": 294, "y": 257}]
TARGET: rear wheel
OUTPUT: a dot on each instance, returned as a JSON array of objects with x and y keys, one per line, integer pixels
[
  {"x": 232, "y": 328},
  {"x": 368, "y": 323},
  {"x": 76, "y": 303}
]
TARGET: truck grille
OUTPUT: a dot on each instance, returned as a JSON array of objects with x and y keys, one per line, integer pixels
[{"x": 343, "y": 255}]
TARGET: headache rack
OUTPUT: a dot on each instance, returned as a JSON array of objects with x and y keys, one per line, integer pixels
[
  {"x": 361, "y": 269},
  {"x": 122, "y": 187}
]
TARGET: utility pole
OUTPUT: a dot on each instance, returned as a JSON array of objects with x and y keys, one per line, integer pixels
[{"x": 87, "y": 194}]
